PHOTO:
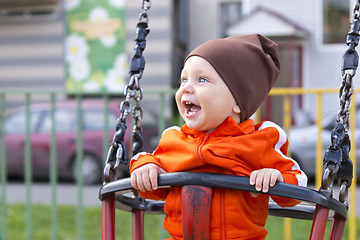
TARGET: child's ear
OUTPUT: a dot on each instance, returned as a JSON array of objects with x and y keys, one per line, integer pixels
[{"x": 236, "y": 109}]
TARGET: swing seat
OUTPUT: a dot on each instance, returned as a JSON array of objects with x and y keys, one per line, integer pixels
[{"x": 318, "y": 206}]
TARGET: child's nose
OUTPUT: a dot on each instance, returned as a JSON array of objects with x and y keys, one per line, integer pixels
[{"x": 187, "y": 87}]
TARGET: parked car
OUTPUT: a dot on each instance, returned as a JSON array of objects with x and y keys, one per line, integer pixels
[
  {"x": 66, "y": 139},
  {"x": 303, "y": 141}
]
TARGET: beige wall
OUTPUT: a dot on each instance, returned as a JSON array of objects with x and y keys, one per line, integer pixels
[{"x": 204, "y": 21}]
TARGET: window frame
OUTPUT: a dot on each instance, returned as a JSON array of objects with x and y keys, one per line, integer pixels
[
  {"x": 320, "y": 29},
  {"x": 223, "y": 4}
]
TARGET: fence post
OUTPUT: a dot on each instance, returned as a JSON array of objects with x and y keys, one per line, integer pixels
[
  {"x": 352, "y": 202},
  {"x": 3, "y": 168},
  {"x": 319, "y": 148},
  {"x": 53, "y": 167},
  {"x": 287, "y": 126},
  {"x": 28, "y": 167},
  {"x": 106, "y": 142},
  {"x": 79, "y": 178}
]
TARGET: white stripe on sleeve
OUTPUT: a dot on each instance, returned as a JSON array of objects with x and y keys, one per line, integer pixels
[
  {"x": 302, "y": 178},
  {"x": 138, "y": 155},
  {"x": 177, "y": 128}
]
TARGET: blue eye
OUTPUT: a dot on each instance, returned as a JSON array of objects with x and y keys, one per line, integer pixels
[
  {"x": 203, "y": 80},
  {"x": 183, "y": 80}
]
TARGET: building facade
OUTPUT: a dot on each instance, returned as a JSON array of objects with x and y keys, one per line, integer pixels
[{"x": 311, "y": 36}]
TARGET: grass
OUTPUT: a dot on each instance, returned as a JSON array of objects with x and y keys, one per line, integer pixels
[{"x": 67, "y": 224}]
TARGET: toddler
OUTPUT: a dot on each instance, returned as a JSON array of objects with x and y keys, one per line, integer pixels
[{"x": 223, "y": 82}]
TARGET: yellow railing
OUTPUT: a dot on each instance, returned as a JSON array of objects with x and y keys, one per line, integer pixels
[{"x": 287, "y": 92}]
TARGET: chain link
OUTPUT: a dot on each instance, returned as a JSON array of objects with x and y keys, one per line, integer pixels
[
  {"x": 345, "y": 94},
  {"x": 356, "y": 10},
  {"x": 337, "y": 162},
  {"x": 117, "y": 153}
]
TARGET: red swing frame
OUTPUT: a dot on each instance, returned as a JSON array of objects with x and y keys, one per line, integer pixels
[{"x": 196, "y": 203}]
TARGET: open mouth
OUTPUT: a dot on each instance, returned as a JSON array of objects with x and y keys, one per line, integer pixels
[{"x": 191, "y": 108}]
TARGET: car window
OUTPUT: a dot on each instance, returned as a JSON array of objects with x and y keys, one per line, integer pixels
[
  {"x": 65, "y": 120},
  {"x": 94, "y": 119},
  {"x": 15, "y": 124}
]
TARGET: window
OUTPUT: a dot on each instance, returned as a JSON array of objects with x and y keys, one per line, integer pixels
[
  {"x": 335, "y": 21},
  {"x": 25, "y": 11},
  {"x": 231, "y": 12},
  {"x": 65, "y": 121},
  {"x": 15, "y": 124},
  {"x": 94, "y": 119}
]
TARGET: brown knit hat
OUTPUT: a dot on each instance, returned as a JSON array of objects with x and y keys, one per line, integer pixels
[{"x": 249, "y": 66}]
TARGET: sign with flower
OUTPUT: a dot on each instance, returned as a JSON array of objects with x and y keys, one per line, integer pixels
[{"x": 95, "y": 53}]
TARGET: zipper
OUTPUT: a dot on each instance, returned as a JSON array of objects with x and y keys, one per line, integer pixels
[
  {"x": 222, "y": 217},
  {"x": 200, "y": 146},
  {"x": 223, "y": 235}
]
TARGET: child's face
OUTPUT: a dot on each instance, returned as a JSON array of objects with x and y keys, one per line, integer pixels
[{"x": 203, "y": 99}]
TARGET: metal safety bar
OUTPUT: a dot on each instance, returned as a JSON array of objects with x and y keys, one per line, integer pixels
[{"x": 323, "y": 203}]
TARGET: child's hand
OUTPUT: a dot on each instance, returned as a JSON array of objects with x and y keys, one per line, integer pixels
[
  {"x": 145, "y": 178},
  {"x": 263, "y": 178}
]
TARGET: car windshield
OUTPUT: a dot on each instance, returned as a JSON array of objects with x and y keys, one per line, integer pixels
[
  {"x": 15, "y": 124},
  {"x": 94, "y": 119},
  {"x": 65, "y": 121}
]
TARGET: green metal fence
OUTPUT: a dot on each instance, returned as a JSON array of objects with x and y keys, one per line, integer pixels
[
  {"x": 51, "y": 96},
  {"x": 53, "y": 176}
]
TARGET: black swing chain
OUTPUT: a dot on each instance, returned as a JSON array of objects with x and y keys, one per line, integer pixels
[
  {"x": 118, "y": 153},
  {"x": 337, "y": 162}
]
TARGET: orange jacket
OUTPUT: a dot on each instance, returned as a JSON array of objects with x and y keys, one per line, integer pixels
[{"x": 231, "y": 148}]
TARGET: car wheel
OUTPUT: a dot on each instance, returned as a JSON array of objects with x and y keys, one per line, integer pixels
[{"x": 91, "y": 169}]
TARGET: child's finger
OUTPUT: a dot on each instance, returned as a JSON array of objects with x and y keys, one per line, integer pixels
[
  {"x": 139, "y": 182},
  {"x": 259, "y": 180},
  {"x": 253, "y": 177},
  {"x": 153, "y": 174},
  {"x": 133, "y": 181},
  {"x": 265, "y": 183},
  {"x": 147, "y": 181},
  {"x": 274, "y": 178}
]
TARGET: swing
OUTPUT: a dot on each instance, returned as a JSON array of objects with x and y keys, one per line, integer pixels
[{"x": 319, "y": 206}]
